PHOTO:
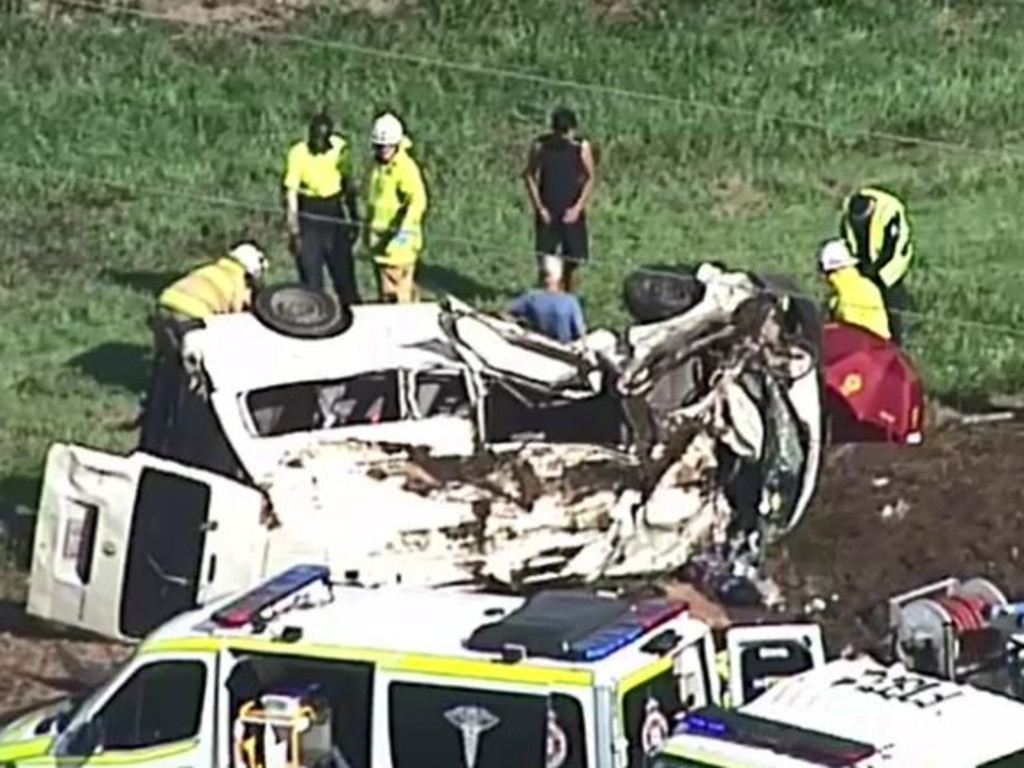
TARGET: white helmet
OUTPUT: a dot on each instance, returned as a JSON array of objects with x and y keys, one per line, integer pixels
[
  {"x": 251, "y": 258},
  {"x": 387, "y": 131},
  {"x": 835, "y": 254}
]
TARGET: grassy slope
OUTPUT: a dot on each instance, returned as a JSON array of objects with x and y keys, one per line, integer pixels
[{"x": 201, "y": 115}]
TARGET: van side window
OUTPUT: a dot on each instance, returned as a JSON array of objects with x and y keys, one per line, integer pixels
[
  {"x": 343, "y": 688},
  {"x": 647, "y": 709},
  {"x": 160, "y": 704},
  {"x": 483, "y": 729}
]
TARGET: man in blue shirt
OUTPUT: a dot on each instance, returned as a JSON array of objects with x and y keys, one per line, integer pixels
[{"x": 550, "y": 310}]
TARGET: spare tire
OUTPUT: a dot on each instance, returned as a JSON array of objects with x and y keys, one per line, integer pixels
[
  {"x": 301, "y": 312},
  {"x": 658, "y": 292}
]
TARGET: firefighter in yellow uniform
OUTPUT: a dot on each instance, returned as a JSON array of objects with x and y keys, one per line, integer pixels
[
  {"x": 856, "y": 299},
  {"x": 876, "y": 229},
  {"x": 395, "y": 206},
  {"x": 220, "y": 287}
]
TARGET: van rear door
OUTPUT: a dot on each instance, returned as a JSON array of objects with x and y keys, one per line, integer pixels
[
  {"x": 124, "y": 543},
  {"x": 760, "y": 655}
]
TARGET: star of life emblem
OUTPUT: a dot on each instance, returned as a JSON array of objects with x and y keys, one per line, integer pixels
[
  {"x": 655, "y": 728},
  {"x": 473, "y": 722},
  {"x": 557, "y": 743}
]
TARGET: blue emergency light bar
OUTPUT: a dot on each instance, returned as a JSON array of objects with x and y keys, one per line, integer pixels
[
  {"x": 641, "y": 619},
  {"x": 737, "y": 728},
  {"x": 702, "y": 726},
  {"x": 246, "y": 607}
]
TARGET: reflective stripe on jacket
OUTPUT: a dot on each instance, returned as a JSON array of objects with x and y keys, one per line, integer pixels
[
  {"x": 217, "y": 288},
  {"x": 858, "y": 301},
  {"x": 882, "y": 242},
  {"x": 395, "y": 205}
]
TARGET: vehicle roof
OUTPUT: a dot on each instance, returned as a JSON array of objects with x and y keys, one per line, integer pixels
[
  {"x": 381, "y": 336},
  {"x": 416, "y": 620},
  {"x": 842, "y": 699}
]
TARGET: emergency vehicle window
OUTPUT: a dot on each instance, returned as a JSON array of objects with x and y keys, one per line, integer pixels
[
  {"x": 369, "y": 398},
  {"x": 483, "y": 729},
  {"x": 649, "y": 712},
  {"x": 441, "y": 394},
  {"x": 161, "y": 703},
  {"x": 764, "y": 663},
  {"x": 342, "y": 690}
]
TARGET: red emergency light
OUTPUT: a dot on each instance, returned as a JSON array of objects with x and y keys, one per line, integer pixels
[
  {"x": 641, "y": 619},
  {"x": 247, "y": 606}
]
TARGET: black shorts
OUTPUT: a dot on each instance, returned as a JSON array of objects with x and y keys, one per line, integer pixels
[{"x": 569, "y": 241}]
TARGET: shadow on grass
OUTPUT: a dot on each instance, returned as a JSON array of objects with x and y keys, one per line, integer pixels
[
  {"x": 19, "y": 497},
  {"x": 143, "y": 281},
  {"x": 115, "y": 364},
  {"x": 440, "y": 279}
]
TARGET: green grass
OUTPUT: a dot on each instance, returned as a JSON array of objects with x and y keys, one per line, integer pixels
[{"x": 203, "y": 115}]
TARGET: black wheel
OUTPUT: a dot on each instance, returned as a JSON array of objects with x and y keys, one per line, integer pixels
[
  {"x": 294, "y": 310},
  {"x": 658, "y": 292}
]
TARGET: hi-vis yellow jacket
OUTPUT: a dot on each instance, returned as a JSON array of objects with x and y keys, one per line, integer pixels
[
  {"x": 858, "y": 301},
  {"x": 396, "y": 201},
  {"x": 214, "y": 289}
]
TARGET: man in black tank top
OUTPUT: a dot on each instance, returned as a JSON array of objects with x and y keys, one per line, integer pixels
[{"x": 559, "y": 178}]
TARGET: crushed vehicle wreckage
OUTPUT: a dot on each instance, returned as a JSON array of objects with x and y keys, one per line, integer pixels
[{"x": 433, "y": 444}]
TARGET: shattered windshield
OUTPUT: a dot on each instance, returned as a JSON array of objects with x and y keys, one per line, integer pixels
[{"x": 369, "y": 398}]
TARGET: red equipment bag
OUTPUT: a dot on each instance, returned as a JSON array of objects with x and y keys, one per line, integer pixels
[{"x": 872, "y": 391}]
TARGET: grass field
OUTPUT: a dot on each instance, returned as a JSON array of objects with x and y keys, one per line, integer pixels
[{"x": 171, "y": 117}]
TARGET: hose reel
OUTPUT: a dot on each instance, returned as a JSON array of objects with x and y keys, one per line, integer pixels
[{"x": 950, "y": 626}]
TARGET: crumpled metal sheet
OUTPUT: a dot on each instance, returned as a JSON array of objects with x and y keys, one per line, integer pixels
[{"x": 556, "y": 510}]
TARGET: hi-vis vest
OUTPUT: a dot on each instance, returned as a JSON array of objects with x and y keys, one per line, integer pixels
[
  {"x": 881, "y": 241},
  {"x": 214, "y": 289},
  {"x": 858, "y": 301}
]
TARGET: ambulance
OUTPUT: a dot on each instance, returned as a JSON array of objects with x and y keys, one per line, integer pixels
[
  {"x": 306, "y": 671},
  {"x": 854, "y": 713}
]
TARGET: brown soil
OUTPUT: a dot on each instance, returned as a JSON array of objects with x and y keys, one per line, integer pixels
[
  {"x": 886, "y": 519},
  {"x": 892, "y": 518}
]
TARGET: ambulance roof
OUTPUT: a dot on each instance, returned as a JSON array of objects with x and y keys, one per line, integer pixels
[
  {"x": 910, "y": 719},
  {"x": 381, "y": 337},
  {"x": 438, "y": 622}
]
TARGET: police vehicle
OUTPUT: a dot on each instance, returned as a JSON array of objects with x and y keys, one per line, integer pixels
[
  {"x": 854, "y": 713},
  {"x": 303, "y": 671}
]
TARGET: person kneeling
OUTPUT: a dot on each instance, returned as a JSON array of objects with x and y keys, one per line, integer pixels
[
  {"x": 855, "y": 300},
  {"x": 549, "y": 310}
]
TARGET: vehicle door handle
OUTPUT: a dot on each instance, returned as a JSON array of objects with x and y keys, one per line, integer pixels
[
  {"x": 211, "y": 569},
  {"x": 109, "y": 548}
]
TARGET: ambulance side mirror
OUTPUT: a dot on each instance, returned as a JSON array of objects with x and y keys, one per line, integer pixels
[{"x": 87, "y": 740}]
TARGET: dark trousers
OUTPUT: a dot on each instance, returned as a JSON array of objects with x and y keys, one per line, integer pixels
[
  {"x": 897, "y": 302},
  {"x": 167, "y": 378},
  {"x": 328, "y": 244}
]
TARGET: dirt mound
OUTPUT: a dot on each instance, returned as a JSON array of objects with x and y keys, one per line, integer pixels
[
  {"x": 891, "y": 518},
  {"x": 40, "y": 663}
]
